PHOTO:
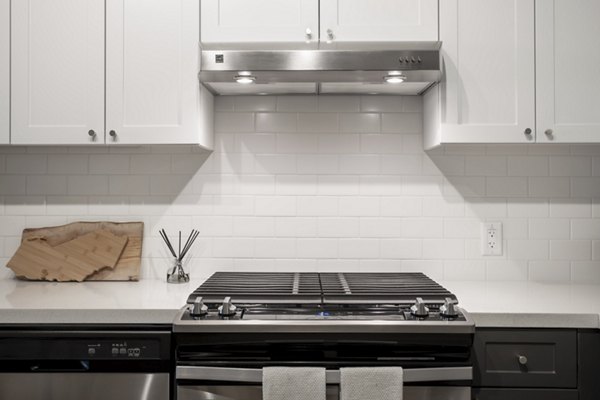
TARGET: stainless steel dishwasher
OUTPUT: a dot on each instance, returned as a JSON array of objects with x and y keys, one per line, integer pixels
[{"x": 75, "y": 364}]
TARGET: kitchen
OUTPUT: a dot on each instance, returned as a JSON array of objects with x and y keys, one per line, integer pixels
[{"x": 103, "y": 118}]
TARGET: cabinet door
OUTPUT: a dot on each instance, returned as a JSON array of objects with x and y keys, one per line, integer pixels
[
  {"x": 57, "y": 58},
  {"x": 568, "y": 84},
  {"x": 488, "y": 58},
  {"x": 152, "y": 62},
  {"x": 379, "y": 20},
  {"x": 252, "y": 21},
  {"x": 4, "y": 71}
]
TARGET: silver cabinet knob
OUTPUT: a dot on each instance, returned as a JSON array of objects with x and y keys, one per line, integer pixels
[
  {"x": 308, "y": 35},
  {"x": 548, "y": 132},
  {"x": 522, "y": 360},
  {"x": 92, "y": 133},
  {"x": 113, "y": 135},
  {"x": 330, "y": 35},
  {"x": 528, "y": 131},
  {"x": 227, "y": 309}
]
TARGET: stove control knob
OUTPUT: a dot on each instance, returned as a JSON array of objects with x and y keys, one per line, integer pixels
[
  {"x": 419, "y": 309},
  {"x": 227, "y": 309},
  {"x": 448, "y": 310},
  {"x": 198, "y": 309}
]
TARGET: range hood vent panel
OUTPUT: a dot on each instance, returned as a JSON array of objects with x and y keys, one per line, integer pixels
[{"x": 321, "y": 71}]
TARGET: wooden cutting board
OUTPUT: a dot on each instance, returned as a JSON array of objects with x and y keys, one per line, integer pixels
[
  {"x": 128, "y": 264},
  {"x": 70, "y": 261}
]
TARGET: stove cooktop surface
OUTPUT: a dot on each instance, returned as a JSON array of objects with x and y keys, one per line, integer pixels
[{"x": 302, "y": 288}]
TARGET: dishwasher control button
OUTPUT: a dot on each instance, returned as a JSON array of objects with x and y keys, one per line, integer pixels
[
  {"x": 91, "y": 351},
  {"x": 122, "y": 350},
  {"x": 115, "y": 351}
]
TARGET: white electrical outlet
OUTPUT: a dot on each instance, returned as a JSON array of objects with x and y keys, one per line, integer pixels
[{"x": 491, "y": 238}]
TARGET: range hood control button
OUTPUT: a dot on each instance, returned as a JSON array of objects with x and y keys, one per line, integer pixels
[
  {"x": 448, "y": 310},
  {"x": 198, "y": 308},
  {"x": 227, "y": 309},
  {"x": 419, "y": 309}
]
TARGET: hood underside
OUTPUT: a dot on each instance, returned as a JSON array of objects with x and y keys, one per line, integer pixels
[{"x": 403, "y": 71}]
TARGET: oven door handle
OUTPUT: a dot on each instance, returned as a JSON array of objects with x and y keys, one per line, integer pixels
[{"x": 251, "y": 375}]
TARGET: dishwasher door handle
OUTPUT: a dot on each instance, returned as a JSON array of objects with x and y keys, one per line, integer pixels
[{"x": 252, "y": 375}]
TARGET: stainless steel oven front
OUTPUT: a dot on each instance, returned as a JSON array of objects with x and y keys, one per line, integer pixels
[
  {"x": 215, "y": 383},
  {"x": 228, "y": 366}
]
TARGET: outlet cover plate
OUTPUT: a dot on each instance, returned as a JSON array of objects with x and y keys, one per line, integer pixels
[{"x": 491, "y": 238}]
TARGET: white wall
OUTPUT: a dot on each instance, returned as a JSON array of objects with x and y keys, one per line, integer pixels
[{"x": 324, "y": 183}]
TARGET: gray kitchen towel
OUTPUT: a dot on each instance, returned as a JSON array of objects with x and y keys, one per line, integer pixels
[
  {"x": 302, "y": 383},
  {"x": 377, "y": 383}
]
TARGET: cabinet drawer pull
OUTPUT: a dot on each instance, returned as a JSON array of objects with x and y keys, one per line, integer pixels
[
  {"x": 113, "y": 135},
  {"x": 92, "y": 133},
  {"x": 528, "y": 131},
  {"x": 522, "y": 360}
]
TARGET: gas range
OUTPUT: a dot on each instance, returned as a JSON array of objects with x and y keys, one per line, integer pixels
[{"x": 322, "y": 302}]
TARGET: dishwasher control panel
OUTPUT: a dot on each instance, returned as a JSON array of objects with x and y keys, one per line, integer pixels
[{"x": 85, "y": 346}]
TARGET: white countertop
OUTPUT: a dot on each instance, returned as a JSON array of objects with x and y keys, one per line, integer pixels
[{"x": 492, "y": 304}]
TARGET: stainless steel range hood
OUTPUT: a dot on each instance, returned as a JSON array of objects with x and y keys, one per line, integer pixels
[{"x": 408, "y": 69}]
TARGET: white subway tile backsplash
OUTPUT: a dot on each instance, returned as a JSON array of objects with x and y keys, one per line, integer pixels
[
  {"x": 571, "y": 250},
  {"x": 338, "y": 227},
  {"x": 527, "y": 166},
  {"x": 570, "y": 166},
  {"x": 550, "y": 271},
  {"x": 276, "y": 122},
  {"x": 506, "y": 187},
  {"x": 360, "y": 122},
  {"x": 297, "y": 103},
  {"x": 544, "y": 228},
  {"x": 585, "y": 272},
  {"x": 67, "y": 164},
  {"x": 402, "y": 122},
  {"x": 585, "y": 229},
  {"x": 317, "y": 248},
  {"x": 549, "y": 187},
  {"x": 325, "y": 183},
  {"x": 234, "y": 122},
  {"x": 485, "y": 166},
  {"x": 255, "y": 103},
  {"x": 318, "y": 122},
  {"x": 276, "y": 206}
]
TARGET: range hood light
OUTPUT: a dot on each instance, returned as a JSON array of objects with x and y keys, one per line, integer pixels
[
  {"x": 394, "y": 77},
  {"x": 244, "y": 77}
]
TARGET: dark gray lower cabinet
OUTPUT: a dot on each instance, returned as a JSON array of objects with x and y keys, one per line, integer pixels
[
  {"x": 589, "y": 364},
  {"x": 526, "y": 364},
  {"x": 524, "y": 394}
]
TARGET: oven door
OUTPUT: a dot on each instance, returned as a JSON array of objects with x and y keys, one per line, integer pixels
[{"x": 216, "y": 383}]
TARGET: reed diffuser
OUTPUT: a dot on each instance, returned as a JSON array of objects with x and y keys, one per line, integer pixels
[{"x": 176, "y": 274}]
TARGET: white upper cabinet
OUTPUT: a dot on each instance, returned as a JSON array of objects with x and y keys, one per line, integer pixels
[
  {"x": 57, "y": 71},
  {"x": 568, "y": 60},
  {"x": 297, "y": 23},
  {"x": 4, "y": 71},
  {"x": 152, "y": 63},
  {"x": 255, "y": 21},
  {"x": 488, "y": 59},
  {"x": 379, "y": 20}
]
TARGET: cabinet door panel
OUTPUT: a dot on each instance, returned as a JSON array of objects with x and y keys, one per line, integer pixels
[
  {"x": 57, "y": 60},
  {"x": 248, "y": 21},
  {"x": 4, "y": 71},
  {"x": 152, "y": 61},
  {"x": 488, "y": 60},
  {"x": 379, "y": 20},
  {"x": 568, "y": 84}
]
